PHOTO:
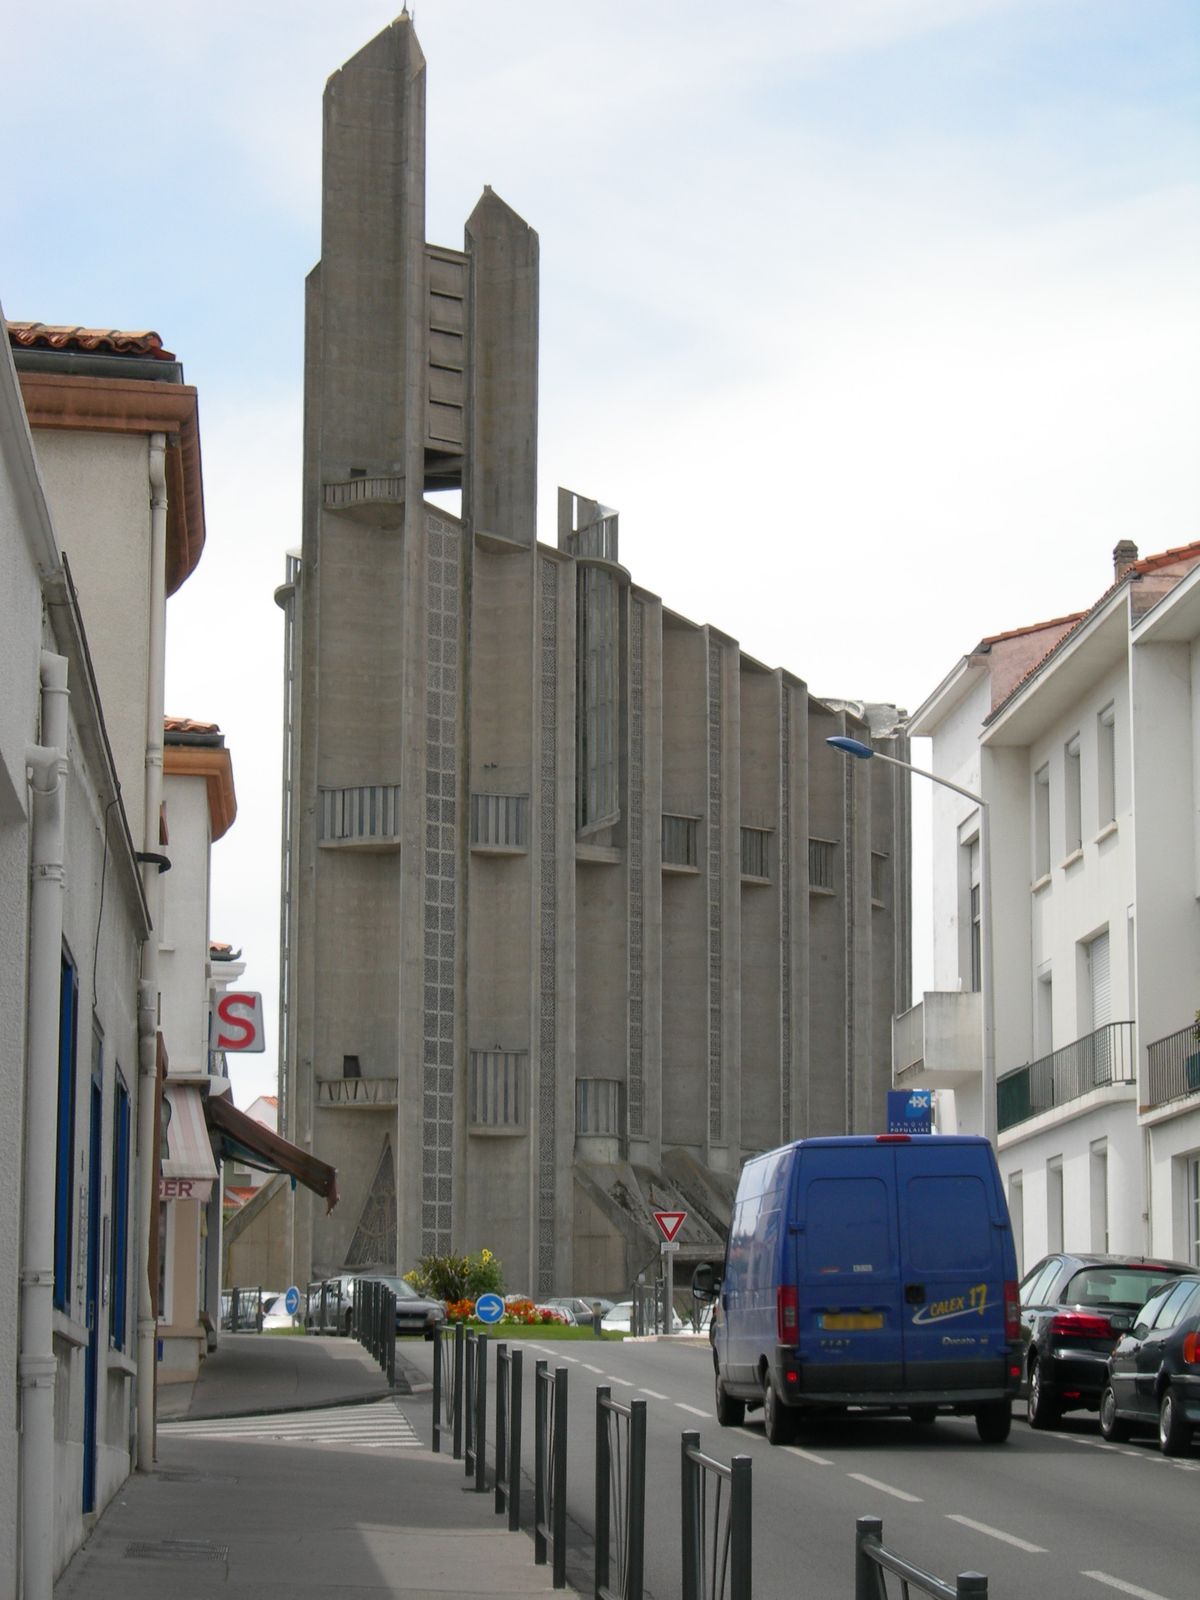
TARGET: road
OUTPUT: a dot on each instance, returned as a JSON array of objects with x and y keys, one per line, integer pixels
[{"x": 1061, "y": 1513}]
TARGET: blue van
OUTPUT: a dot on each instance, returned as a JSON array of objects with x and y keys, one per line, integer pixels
[{"x": 868, "y": 1271}]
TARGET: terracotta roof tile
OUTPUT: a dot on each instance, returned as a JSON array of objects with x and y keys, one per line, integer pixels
[
  {"x": 188, "y": 725},
  {"x": 1175, "y": 555},
  {"x": 1033, "y": 627},
  {"x": 106, "y": 341}
]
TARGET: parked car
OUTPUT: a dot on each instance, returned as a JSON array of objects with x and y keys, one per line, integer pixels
[
  {"x": 1154, "y": 1372},
  {"x": 580, "y": 1306},
  {"x": 1074, "y": 1308},
  {"x": 415, "y": 1313},
  {"x": 276, "y": 1313},
  {"x": 870, "y": 1271},
  {"x": 619, "y": 1318}
]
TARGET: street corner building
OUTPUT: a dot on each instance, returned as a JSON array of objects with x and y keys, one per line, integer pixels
[{"x": 578, "y": 910}]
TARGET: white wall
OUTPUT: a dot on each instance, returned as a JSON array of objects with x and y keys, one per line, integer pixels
[{"x": 184, "y": 933}]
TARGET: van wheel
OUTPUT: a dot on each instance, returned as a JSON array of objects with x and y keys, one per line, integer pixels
[
  {"x": 730, "y": 1413},
  {"x": 1114, "y": 1428},
  {"x": 993, "y": 1422},
  {"x": 1044, "y": 1410},
  {"x": 779, "y": 1422},
  {"x": 1174, "y": 1429}
]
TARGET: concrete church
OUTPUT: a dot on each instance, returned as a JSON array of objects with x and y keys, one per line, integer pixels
[{"x": 578, "y": 909}]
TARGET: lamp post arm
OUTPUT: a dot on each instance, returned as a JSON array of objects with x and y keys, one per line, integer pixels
[{"x": 894, "y": 761}]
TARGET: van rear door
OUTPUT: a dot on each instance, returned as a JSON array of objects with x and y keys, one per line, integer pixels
[
  {"x": 952, "y": 1248},
  {"x": 847, "y": 1265}
]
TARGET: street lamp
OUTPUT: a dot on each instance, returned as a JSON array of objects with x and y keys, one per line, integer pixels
[{"x": 864, "y": 752}]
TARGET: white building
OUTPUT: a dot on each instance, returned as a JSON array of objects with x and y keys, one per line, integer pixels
[{"x": 1083, "y": 735}]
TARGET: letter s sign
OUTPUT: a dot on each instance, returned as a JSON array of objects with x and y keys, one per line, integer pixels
[{"x": 237, "y": 1022}]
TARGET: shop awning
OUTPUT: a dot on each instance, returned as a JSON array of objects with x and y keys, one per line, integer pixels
[
  {"x": 242, "y": 1139},
  {"x": 188, "y": 1170}
]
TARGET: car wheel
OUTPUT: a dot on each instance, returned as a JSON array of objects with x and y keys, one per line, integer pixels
[
  {"x": 779, "y": 1422},
  {"x": 922, "y": 1415},
  {"x": 730, "y": 1413},
  {"x": 993, "y": 1422},
  {"x": 1044, "y": 1409},
  {"x": 1174, "y": 1429},
  {"x": 1114, "y": 1428}
]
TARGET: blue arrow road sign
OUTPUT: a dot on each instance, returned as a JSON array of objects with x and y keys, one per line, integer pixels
[
  {"x": 489, "y": 1308},
  {"x": 291, "y": 1301}
]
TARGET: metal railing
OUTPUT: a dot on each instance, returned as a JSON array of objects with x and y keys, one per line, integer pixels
[
  {"x": 323, "y": 1304},
  {"x": 872, "y": 1561},
  {"x": 716, "y": 1524},
  {"x": 373, "y": 1323},
  {"x": 620, "y": 1495},
  {"x": 475, "y": 1408},
  {"x": 550, "y": 1469},
  {"x": 242, "y": 1310},
  {"x": 448, "y": 1348},
  {"x": 1094, "y": 1062},
  {"x": 1174, "y": 1066},
  {"x": 508, "y": 1434}
]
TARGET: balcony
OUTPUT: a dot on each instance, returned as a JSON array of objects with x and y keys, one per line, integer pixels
[
  {"x": 938, "y": 1044},
  {"x": 1174, "y": 1067},
  {"x": 357, "y": 1094},
  {"x": 1099, "y": 1060},
  {"x": 367, "y": 499}
]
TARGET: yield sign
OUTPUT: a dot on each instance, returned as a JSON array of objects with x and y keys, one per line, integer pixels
[{"x": 669, "y": 1223}]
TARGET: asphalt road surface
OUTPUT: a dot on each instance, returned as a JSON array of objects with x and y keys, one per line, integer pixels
[{"x": 1059, "y": 1514}]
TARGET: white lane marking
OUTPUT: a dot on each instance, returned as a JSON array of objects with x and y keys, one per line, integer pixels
[
  {"x": 998, "y": 1533},
  {"x": 885, "y": 1488},
  {"x": 695, "y": 1410},
  {"x": 588, "y": 1367},
  {"x": 1125, "y": 1588},
  {"x": 624, "y": 1382},
  {"x": 807, "y": 1455},
  {"x": 575, "y": 1359},
  {"x": 654, "y": 1394},
  {"x": 545, "y": 1349}
]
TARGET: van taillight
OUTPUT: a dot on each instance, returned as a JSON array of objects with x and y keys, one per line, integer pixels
[
  {"x": 787, "y": 1315},
  {"x": 1012, "y": 1312}
]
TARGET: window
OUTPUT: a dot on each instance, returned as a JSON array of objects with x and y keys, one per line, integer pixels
[
  {"x": 1073, "y": 797},
  {"x": 1044, "y": 1021},
  {"x": 756, "y": 862},
  {"x": 679, "y": 844},
  {"x": 1054, "y": 1203},
  {"x": 1036, "y": 1286},
  {"x": 496, "y": 1090},
  {"x": 597, "y": 704},
  {"x": 879, "y": 877},
  {"x": 118, "y": 1266},
  {"x": 501, "y": 820},
  {"x": 1041, "y": 822},
  {"x": 1193, "y": 1210},
  {"x": 1016, "y": 1213},
  {"x": 821, "y": 864},
  {"x": 1099, "y": 1196},
  {"x": 1174, "y": 1306},
  {"x": 598, "y": 1106},
  {"x": 64, "y": 1163},
  {"x": 976, "y": 916},
  {"x": 1098, "y": 1003},
  {"x": 1106, "y": 767}
]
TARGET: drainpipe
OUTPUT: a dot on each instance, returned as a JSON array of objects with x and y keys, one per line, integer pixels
[
  {"x": 148, "y": 986},
  {"x": 47, "y": 767}
]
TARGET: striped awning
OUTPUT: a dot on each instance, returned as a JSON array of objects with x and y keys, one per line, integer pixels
[{"x": 188, "y": 1168}]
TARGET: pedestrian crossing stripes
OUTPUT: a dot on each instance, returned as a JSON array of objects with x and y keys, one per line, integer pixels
[{"x": 378, "y": 1426}]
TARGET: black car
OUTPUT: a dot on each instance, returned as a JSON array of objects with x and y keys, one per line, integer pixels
[
  {"x": 1154, "y": 1373},
  {"x": 1074, "y": 1308},
  {"x": 415, "y": 1313}
]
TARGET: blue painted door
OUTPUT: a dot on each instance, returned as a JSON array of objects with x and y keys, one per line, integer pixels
[{"x": 91, "y": 1378}]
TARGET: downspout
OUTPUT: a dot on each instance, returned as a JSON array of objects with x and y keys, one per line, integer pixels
[
  {"x": 47, "y": 767},
  {"x": 148, "y": 986}
]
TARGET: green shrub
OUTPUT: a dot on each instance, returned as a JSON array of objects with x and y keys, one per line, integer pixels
[{"x": 452, "y": 1278}]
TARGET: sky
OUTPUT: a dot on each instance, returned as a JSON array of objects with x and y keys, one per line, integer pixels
[{"x": 876, "y": 320}]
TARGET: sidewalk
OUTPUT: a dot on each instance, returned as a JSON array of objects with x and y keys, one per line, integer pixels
[{"x": 258, "y": 1518}]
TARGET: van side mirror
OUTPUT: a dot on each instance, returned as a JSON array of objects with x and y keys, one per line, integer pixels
[{"x": 705, "y": 1284}]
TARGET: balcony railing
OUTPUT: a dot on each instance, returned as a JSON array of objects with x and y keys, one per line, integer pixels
[
  {"x": 1097, "y": 1061},
  {"x": 1174, "y": 1066},
  {"x": 364, "y": 1094}
]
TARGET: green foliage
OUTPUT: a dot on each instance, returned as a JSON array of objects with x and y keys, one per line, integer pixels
[{"x": 452, "y": 1278}]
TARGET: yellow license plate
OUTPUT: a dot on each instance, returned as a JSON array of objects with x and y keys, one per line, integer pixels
[{"x": 846, "y": 1321}]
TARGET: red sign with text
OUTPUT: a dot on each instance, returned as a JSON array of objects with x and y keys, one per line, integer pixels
[
  {"x": 237, "y": 1022},
  {"x": 669, "y": 1223}
]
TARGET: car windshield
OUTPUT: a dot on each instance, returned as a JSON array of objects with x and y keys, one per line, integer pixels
[{"x": 1126, "y": 1286}]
